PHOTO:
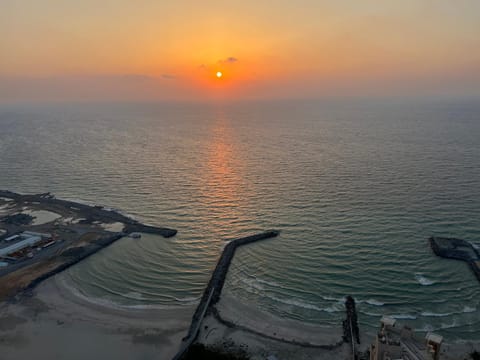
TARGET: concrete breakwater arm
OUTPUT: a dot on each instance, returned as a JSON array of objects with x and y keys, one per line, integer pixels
[
  {"x": 212, "y": 292},
  {"x": 458, "y": 249},
  {"x": 351, "y": 332},
  {"x": 90, "y": 213}
]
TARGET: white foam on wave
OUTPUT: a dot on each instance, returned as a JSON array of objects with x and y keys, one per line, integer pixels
[
  {"x": 465, "y": 310},
  {"x": 370, "y": 314},
  {"x": 252, "y": 283},
  {"x": 443, "y": 326},
  {"x": 374, "y": 302},
  {"x": 189, "y": 300},
  {"x": 404, "y": 317},
  {"x": 111, "y": 304},
  {"x": 304, "y": 305},
  {"x": 432, "y": 314},
  {"x": 422, "y": 280},
  {"x": 331, "y": 298},
  {"x": 425, "y": 328},
  {"x": 269, "y": 283}
]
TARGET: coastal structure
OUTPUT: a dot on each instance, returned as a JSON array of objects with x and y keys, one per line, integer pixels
[
  {"x": 22, "y": 241},
  {"x": 392, "y": 343},
  {"x": 351, "y": 331},
  {"x": 212, "y": 292},
  {"x": 32, "y": 251},
  {"x": 205, "y": 340},
  {"x": 458, "y": 249}
]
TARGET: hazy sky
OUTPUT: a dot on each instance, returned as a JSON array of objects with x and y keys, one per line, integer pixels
[{"x": 89, "y": 49}]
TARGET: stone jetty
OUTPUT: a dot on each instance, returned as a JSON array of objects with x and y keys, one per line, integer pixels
[
  {"x": 351, "y": 332},
  {"x": 458, "y": 249},
  {"x": 212, "y": 292}
]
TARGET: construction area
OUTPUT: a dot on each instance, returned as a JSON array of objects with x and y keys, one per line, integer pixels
[{"x": 41, "y": 236}]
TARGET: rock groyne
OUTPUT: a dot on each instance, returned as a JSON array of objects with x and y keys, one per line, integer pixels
[
  {"x": 212, "y": 292},
  {"x": 458, "y": 249}
]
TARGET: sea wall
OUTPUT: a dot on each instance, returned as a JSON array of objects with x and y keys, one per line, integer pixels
[
  {"x": 212, "y": 292},
  {"x": 458, "y": 249},
  {"x": 77, "y": 255}
]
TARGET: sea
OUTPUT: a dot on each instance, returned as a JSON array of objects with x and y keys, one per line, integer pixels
[{"x": 356, "y": 187}]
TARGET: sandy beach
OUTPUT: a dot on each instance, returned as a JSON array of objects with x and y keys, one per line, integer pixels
[
  {"x": 55, "y": 323},
  {"x": 258, "y": 335}
]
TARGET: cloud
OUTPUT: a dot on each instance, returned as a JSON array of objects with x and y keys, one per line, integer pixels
[
  {"x": 127, "y": 77},
  {"x": 229, "y": 60},
  {"x": 169, "y": 76}
]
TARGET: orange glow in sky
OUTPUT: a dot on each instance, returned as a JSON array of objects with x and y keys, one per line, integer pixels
[{"x": 304, "y": 49}]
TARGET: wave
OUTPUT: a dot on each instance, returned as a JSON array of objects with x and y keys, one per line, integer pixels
[
  {"x": 374, "y": 302},
  {"x": 369, "y": 313},
  {"x": 304, "y": 305},
  {"x": 269, "y": 283},
  {"x": 425, "y": 328},
  {"x": 111, "y": 304},
  {"x": 252, "y": 283},
  {"x": 429, "y": 327},
  {"x": 465, "y": 310},
  {"x": 189, "y": 300},
  {"x": 422, "y": 280},
  {"x": 432, "y": 314},
  {"x": 404, "y": 317}
]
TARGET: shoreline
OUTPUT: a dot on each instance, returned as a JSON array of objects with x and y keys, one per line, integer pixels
[
  {"x": 71, "y": 242},
  {"x": 34, "y": 324}
]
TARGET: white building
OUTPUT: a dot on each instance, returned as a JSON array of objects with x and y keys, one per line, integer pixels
[
  {"x": 11, "y": 238},
  {"x": 392, "y": 343},
  {"x": 26, "y": 242}
]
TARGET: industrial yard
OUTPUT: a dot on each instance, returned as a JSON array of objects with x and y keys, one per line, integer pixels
[{"x": 41, "y": 235}]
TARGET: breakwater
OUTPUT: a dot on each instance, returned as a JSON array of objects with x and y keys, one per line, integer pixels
[
  {"x": 74, "y": 256},
  {"x": 351, "y": 332},
  {"x": 69, "y": 241},
  {"x": 212, "y": 292},
  {"x": 90, "y": 214},
  {"x": 458, "y": 249}
]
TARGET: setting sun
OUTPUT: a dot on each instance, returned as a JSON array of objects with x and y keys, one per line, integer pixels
[{"x": 219, "y": 74}]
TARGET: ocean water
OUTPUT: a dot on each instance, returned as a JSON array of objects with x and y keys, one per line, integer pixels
[{"x": 356, "y": 189}]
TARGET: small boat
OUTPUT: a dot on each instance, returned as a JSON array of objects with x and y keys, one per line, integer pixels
[{"x": 135, "y": 235}]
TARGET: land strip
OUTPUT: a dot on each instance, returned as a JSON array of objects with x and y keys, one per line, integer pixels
[{"x": 41, "y": 236}]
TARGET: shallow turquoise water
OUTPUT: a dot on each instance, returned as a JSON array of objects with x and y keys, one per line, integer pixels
[{"x": 356, "y": 189}]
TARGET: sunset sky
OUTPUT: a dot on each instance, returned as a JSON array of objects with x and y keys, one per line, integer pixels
[{"x": 172, "y": 50}]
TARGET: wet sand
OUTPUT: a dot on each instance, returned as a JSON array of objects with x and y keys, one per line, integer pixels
[
  {"x": 241, "y": 329},
  {"x": 55, "y": 323}
]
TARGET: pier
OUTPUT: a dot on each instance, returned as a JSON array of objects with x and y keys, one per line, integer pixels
[
  {"x": 212, "y": 292},
  {"x": 458, "y": 249}
]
